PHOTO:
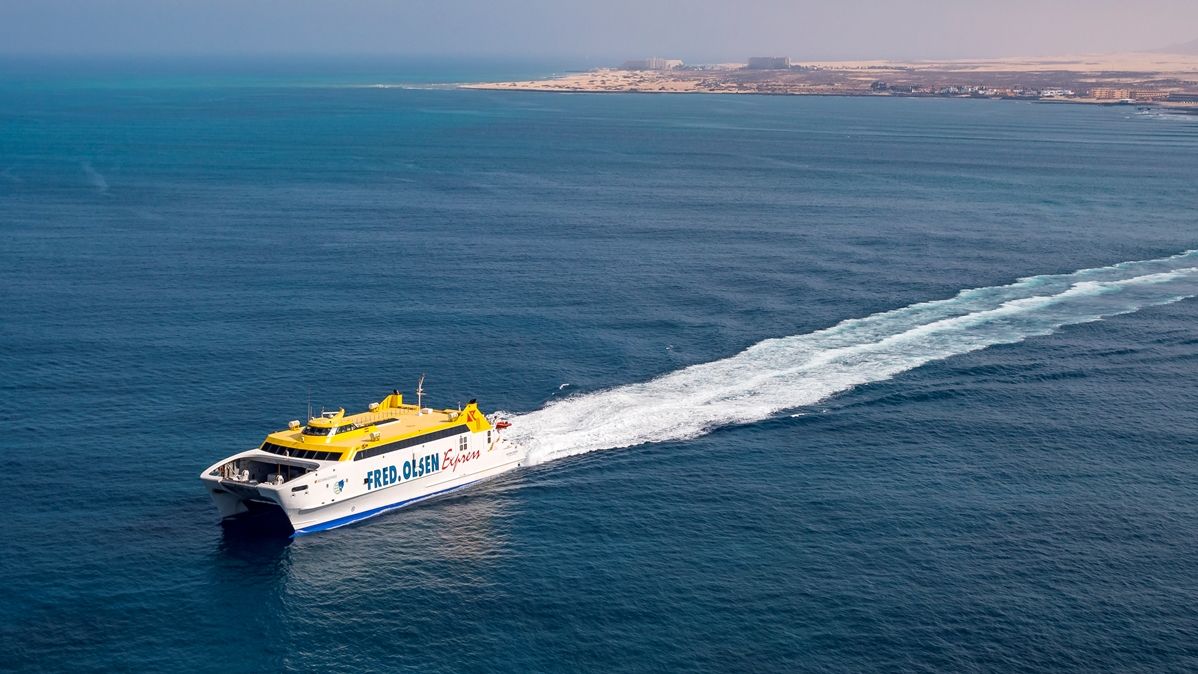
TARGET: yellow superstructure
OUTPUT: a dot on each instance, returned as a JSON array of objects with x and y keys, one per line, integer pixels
[{"x": 387, "y": 425}]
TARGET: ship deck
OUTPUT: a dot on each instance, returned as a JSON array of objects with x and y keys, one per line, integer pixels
[{"x": 390, "y": 423}]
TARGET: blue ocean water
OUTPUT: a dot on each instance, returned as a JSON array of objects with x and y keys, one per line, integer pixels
[{"x": 769, "y": 430}]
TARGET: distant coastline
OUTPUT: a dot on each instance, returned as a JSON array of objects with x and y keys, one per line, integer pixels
[{"x": 1166, "y": 81}]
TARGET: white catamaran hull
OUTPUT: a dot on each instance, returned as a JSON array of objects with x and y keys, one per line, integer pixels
[{"x": 319, "y": 495}]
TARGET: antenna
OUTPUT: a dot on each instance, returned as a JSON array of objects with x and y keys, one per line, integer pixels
[
  {"x": 420, "y": 394},
  {"x": 309, "y": 404}
]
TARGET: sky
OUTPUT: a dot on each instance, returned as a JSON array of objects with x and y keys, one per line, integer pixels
[{"x": 694, "y": 30}]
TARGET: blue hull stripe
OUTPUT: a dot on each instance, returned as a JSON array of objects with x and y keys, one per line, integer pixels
[{"x": 350, "y": 519}]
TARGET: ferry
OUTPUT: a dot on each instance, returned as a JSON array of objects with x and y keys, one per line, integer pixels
[{"x": 340, "y": 468}]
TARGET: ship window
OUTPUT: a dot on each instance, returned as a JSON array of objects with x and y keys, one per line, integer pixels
[
  {"x": 300, "y": 453},
  {"x": 462, "y": 443},
  {"x": 409, "y": 442}
]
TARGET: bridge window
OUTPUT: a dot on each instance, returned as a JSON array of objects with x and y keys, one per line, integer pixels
[
  {"x": 345, "y": 428},
  {"x": 313, "y": 430}
]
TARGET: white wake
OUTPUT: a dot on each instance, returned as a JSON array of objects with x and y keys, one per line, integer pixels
[{"x": 789, "y": 372}]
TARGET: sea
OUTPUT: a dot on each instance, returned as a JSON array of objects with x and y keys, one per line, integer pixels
[{"x": 804, "y": 383}]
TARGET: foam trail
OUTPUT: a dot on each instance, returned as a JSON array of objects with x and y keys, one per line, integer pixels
[
  {"x": 790, "y": 372},
  {"x": 94, "y": 177}
]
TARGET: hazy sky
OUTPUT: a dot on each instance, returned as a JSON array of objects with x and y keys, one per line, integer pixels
[{"x": 697, "y": 30}]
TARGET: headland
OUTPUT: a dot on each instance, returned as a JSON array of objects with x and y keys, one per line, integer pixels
[{"x": 1160, "y": 79}]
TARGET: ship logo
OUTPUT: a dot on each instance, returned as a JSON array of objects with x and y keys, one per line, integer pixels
[{"x": 337, "y": 487}]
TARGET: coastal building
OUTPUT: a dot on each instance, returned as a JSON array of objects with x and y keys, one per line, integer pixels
[
  {"x": 653, "y": 63},
  {"x": 1057, "y": 93},
  {"x": 1149, "y": 95},
  {"x": 1183, "y": 97},
  {"x": 769, "y": 63},
  {"x": 1109, "y": 94},
  {"x": 996, "y": 92}
]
